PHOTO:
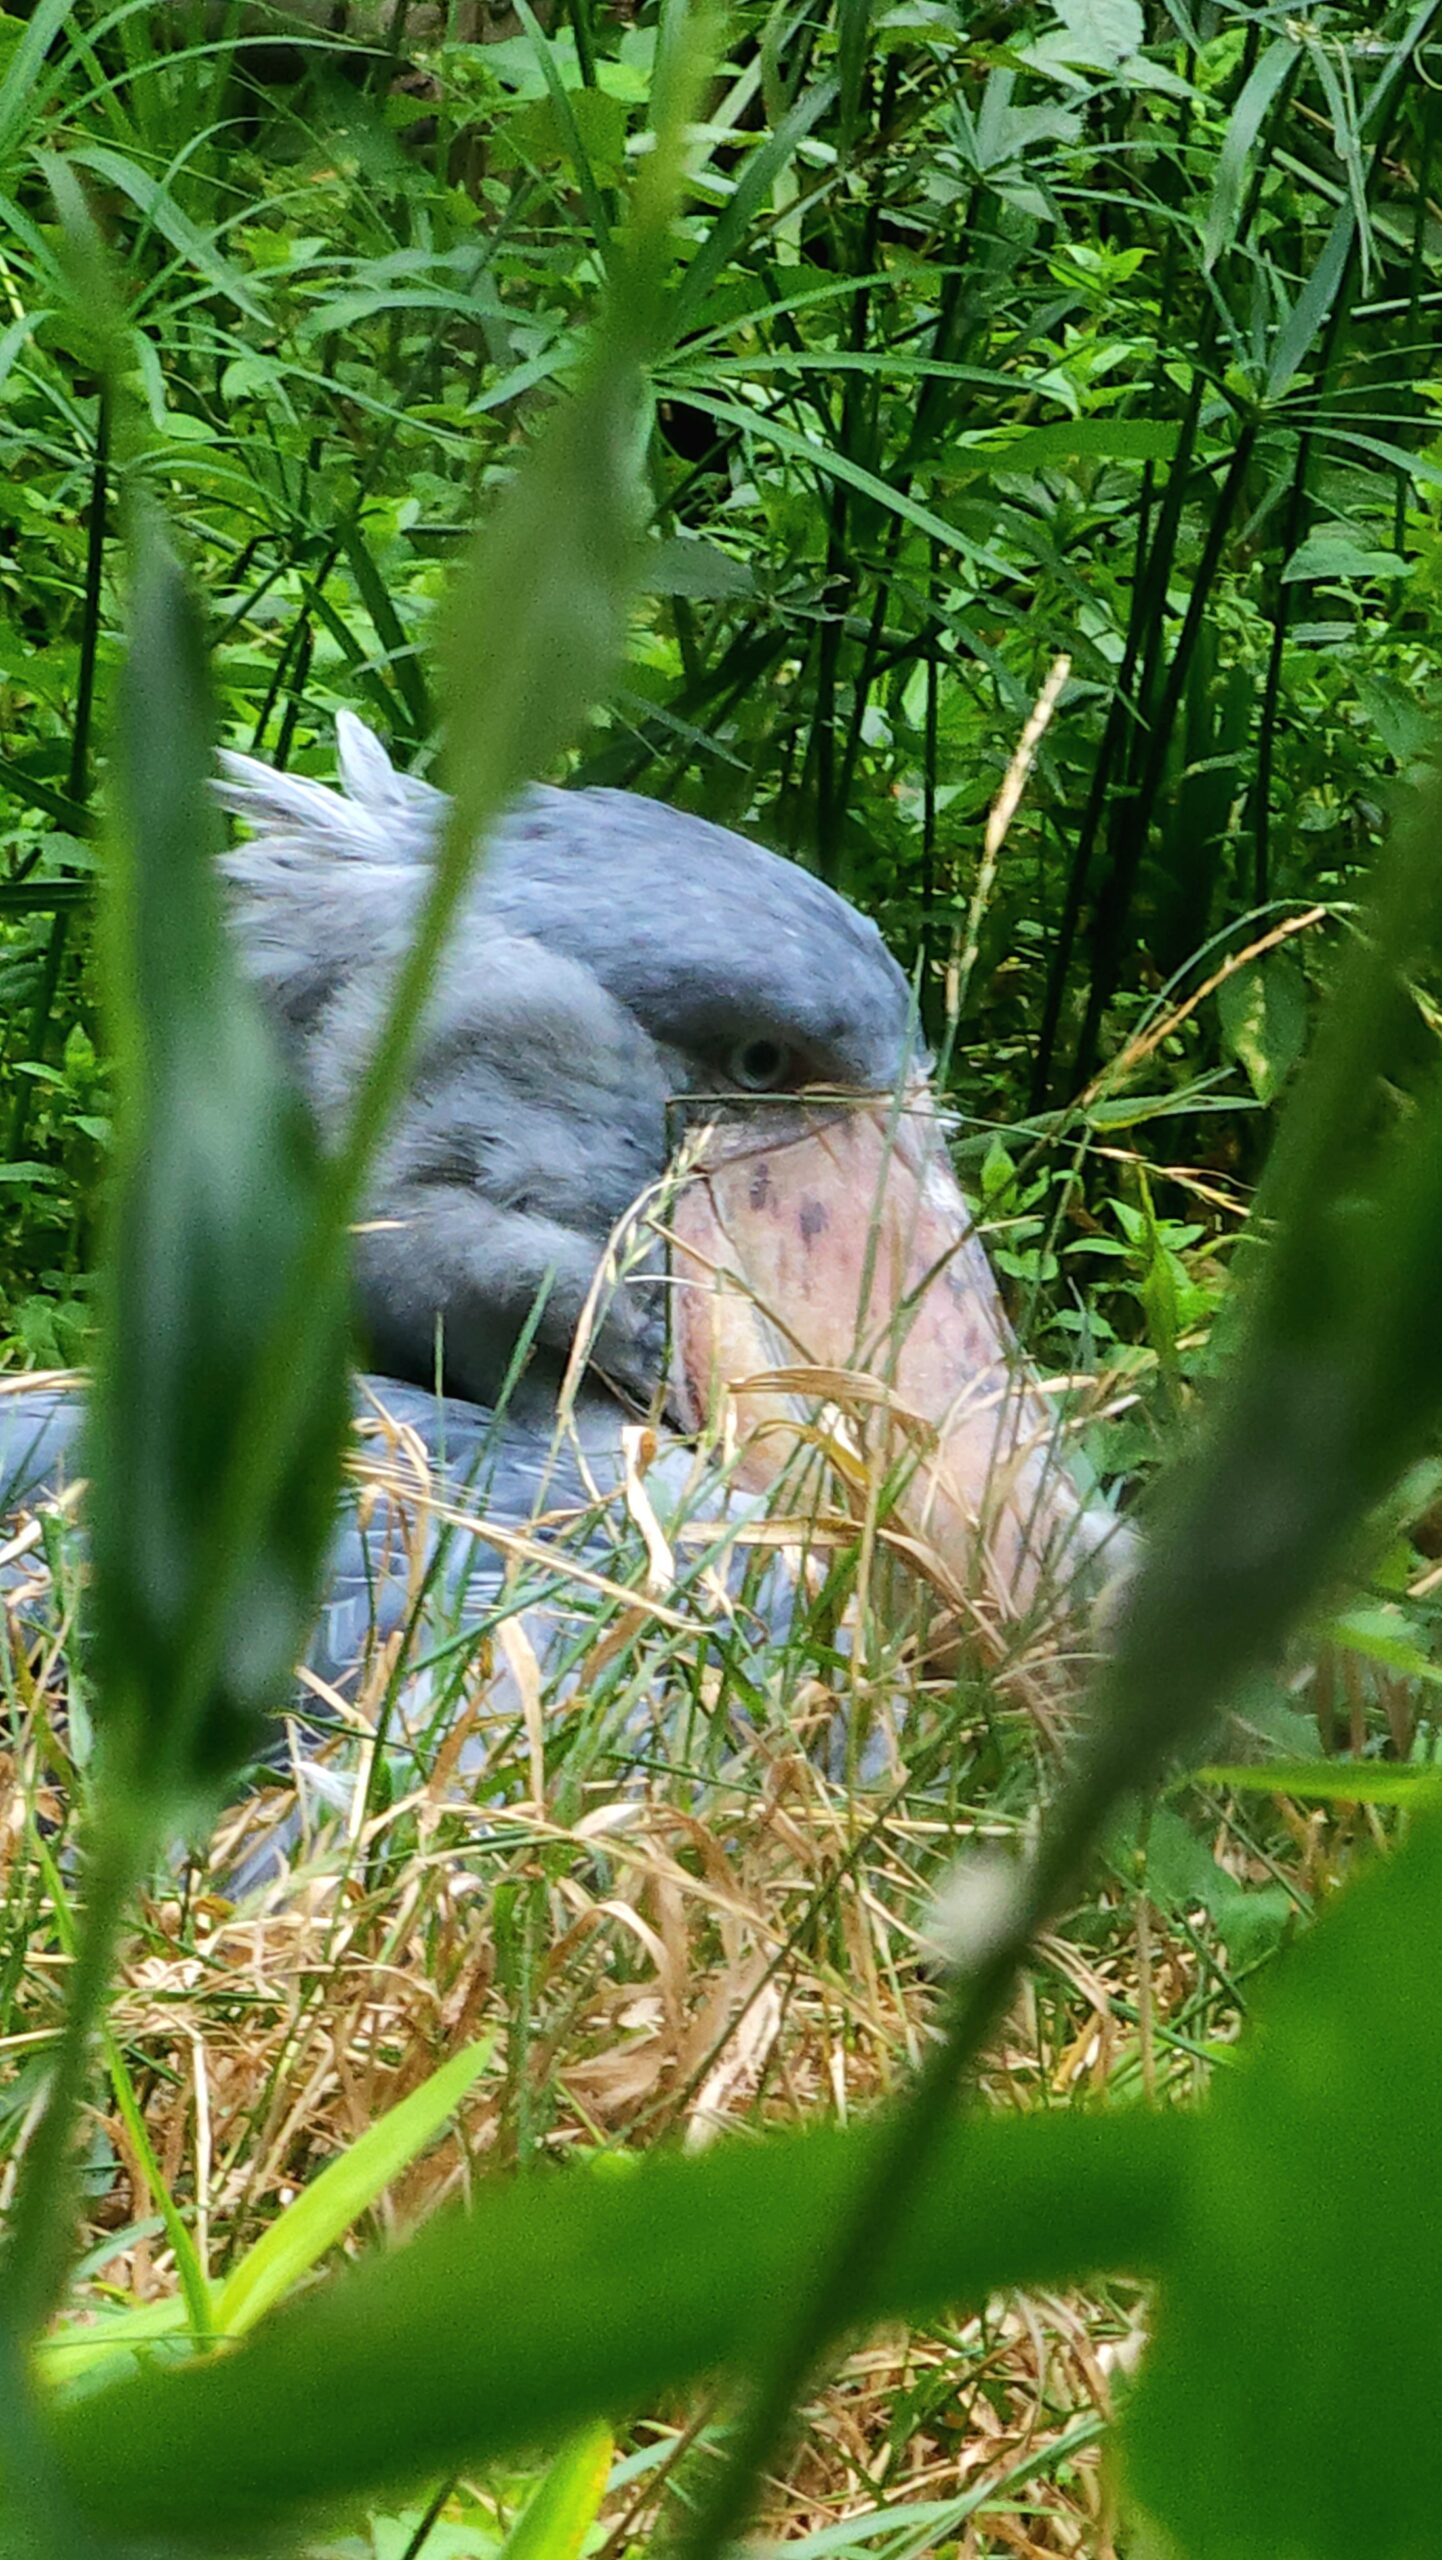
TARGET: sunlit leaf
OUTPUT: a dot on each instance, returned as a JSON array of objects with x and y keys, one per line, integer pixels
[
  {"x": 1263, "y": 1010},
  {"x": 345, "y": 2189},
  {"x": 560, "y": 2512}
]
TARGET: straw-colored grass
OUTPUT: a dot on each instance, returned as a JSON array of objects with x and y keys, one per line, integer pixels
[{"x": 664, "y": 1944}]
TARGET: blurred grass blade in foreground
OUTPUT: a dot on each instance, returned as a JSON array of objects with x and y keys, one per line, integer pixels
[
  {"x": 560, "y": 2298},
  {"x": 217, "y": 1194},
  {"x": 219, "y": 1406}
]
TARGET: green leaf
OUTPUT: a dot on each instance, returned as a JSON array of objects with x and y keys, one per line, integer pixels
[
  {"x": 152, "y": 198},
  {"x": 1070, "y": 440},
  {"x": 1324, "y": 1781},
  {"x": 1289, "y": 2404},
  {"x": 554, "y": 2523},
  {"x": 833, "y": 464},
  {"x": 1402, "y": 722},
  {"x": 752, "y": 190},
  {"x": 1263, "y": 1011},
  {"x": 1248, "y": 115},
  {"x": 853, "y": 41},
  {"x": 590, "y": 131},
  {"x": 563, "y": 122},
  {"x": 1103, "y": 32},
  {"x": 196, "y": 1628},
  {"x": 560, "y": 2299},
  {"x": 345, "y": 2189},
  {"x": 1313, "y": 305},
  {"x": 1381, "y": 1634},
  {"x": 24, "y": 69},
  {"x": 72, "y": 2354},
  {"x": 1334, "y": 551},
  {"x": 680, "y": 565},
  {"x": 565, "y": 535}
]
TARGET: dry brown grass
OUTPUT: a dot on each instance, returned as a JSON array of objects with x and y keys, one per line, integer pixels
[{"x": 658, "y": 1956}]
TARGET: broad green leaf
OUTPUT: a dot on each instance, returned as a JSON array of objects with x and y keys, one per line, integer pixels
[
  {"x": 345, "y": 2189},
  {"x": 594, "y": 125},
  {"x": 680, "y": 565},
  {"x": 1401, "y": 721},
  {"x": 1334, "y": 551},
  {"x": 1289, "y": 2405},
  {"x": 556, "y": 2519},
  {"x": 560, "y": 2299},
  {"x": 1103, "y": 32}
]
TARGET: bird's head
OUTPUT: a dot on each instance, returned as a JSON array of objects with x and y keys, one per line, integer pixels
[{"x": 624, "y": 978}]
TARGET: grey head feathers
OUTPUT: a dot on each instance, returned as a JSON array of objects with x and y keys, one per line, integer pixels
[{"x": 610, "y": 953}]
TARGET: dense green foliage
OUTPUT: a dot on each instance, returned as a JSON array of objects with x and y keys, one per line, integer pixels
[{"x": 1006, "y": 333}]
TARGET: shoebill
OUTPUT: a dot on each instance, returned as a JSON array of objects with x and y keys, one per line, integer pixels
[{"x": 668, "y": 1151}]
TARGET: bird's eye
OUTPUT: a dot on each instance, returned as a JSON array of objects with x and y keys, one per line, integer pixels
[{"x": 761, "y": 1065}]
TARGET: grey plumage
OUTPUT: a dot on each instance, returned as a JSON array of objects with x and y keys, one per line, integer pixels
[{"x": 612, "y": 955}]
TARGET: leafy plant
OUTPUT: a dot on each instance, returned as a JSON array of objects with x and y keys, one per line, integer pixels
[{"x": 925, "y": 214}]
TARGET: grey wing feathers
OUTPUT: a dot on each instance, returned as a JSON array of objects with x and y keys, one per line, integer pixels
[
  {"x": 432, "y": 1463},
  {"x": 431, "y": 1540}
]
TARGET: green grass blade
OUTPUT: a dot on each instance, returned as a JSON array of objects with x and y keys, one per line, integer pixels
[
  {"x": 752, "y": 191},
  {"x": 560, "y": 2299},
  {"x": 1278, "y": 63},
  {"x": 833, "y": 464},
  {"x": 1325, "y": 1781},
  {"x": 1312, "y": 309},
  {"x": 194, "y": 1638},
  {"x": 153, "y": 199},
  {"x": 345, "y": 2189},
  {"x": 27, "y": 63},
  {"x": 554, "y": 2523},
  {"x": 591, "y": 196}
]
